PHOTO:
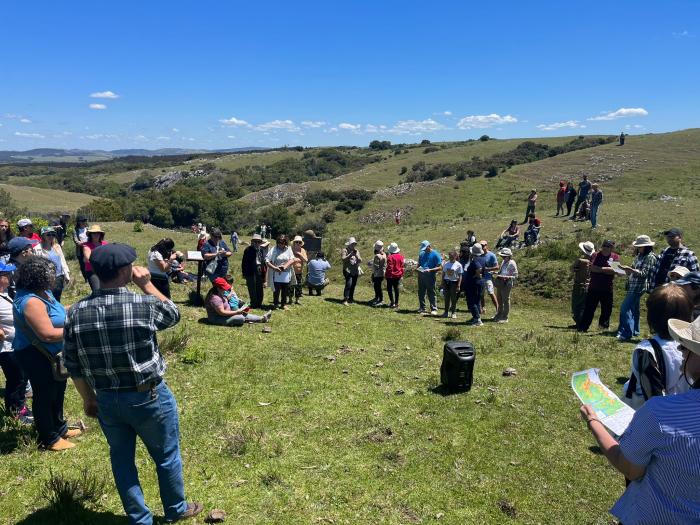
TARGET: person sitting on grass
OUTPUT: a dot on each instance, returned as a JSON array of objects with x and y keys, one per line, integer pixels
[
  {"x": 224, "y": 308},
  {"x": 658, "y": 452},
  {"x": 177, "y": 270},
  {"x": 316, "y": 279},
  {"x": 532, "y": 234},
  {"x": 509, "y": 235}
]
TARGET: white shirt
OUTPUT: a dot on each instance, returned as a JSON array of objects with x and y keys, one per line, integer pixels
[
  {"x": 6, "y": 322},
  {"x": 153, "y": 267},
  {"x": 278, "y": 257},
  {"x": 452, "y": 271}
]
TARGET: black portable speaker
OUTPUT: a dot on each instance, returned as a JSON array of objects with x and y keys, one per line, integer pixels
[{"x": 457, "y": 369}]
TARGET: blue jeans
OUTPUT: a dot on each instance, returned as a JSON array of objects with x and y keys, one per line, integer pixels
[
  {"x": 629, "y": 315},
  {"x": 474, "y": 299},
  {"x": 594, "y": 215},
  {"x": 152, "y": 416}
]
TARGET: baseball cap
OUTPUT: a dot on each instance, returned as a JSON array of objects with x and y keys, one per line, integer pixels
[
  {"x": 674, "y": 232},
  {"x": 608, "y": 243},
  {"x": 221, "y": 283},
  {"x": 24, "y": 222},
  {"x": 17, "y": 244}
]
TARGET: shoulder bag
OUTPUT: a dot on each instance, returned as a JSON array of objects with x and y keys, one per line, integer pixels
[{"x": 58, "y": 367}]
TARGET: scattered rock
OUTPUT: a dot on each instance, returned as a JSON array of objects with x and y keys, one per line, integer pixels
[
  {"x": 507, "y": 508},
  {"x": 216, "y": 516},
  {"x": 399, "y": 392},
  {"x": 346, "y": 371},
  {"x": 173, "y": 177},
  {"x": 330, "y": 358},
  {"x": 267, "y": 330},
  {"x": 510, "y": 372},
  {"x": 668, "y": 198}
]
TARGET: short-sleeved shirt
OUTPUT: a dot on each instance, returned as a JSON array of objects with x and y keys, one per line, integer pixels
[
  {"x": 429, "y": 260},
  {"x": 154, "y": 256},
  {"x": 55, "y": 310},
  {"x": 470, "y": 278},
  {"x": 664, "y": 437},
  {"x": 278, "y": 257},
  {"x": 601, "y": 281},
  {"x": 55, "y": 258},
  {"x": 317, "y": 271},
  {"x": 7, "y": 324},
  {"x": 92, "y": 246},
  {"x": 221, "y": 261},
  {"x": 452, "y": 271},
  {"x": 214, "y": 302},
  {"x": 583, "y": 188},
  {"x": 488, "y": 260}
]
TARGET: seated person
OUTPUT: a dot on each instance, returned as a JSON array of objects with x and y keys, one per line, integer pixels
[
  {"x": 316, "y": 278},
  {"x": 219, "y": 311},
  {"x": 509, "y": 235},
  {"x": 584, "y": 211},
  {"x": 177, "y": 270},
  {"x": 532, "y": 234}
]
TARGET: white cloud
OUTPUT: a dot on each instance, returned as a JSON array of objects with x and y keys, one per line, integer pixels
[
  {"x": 683, "y": 34},
  {"x": 163, "y": 138},
  {"x": 104, "y": 94},
  {"x": 19, "y": 118},
  {"x": 97, "y": 106},
  {"x": 175, "y": 130},
  {"x": 97, "y": 136},
  {"x": 140, "y": 137},
  {"x": 25, "y": 121},
  {"x": 277, "y": 125},
  {"x": 560, "y": 125},
  {"x": 353, "y": 128},
  {"x": 622, "y": 113},
  {"x": 313, "y": 123},
  {"x": 29, "y": 135},
  {"x": 447, "y": 113},
  {"x": 485, "y": 121},
  {"x": 230, "y": 136},
  {"x": 416, "y": 127},
  {"x": 233, "y": 121},
  {"x": 331, "y": 130}
]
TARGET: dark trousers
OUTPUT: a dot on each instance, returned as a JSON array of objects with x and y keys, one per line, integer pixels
[
  {"x": 295, "y": 290},
  {"x": 281, "y": 291},
  {"x": 47, "y": 401},
  {"x": 392, "y": 288},
  {"x": 15, "y": 383},
  {"x": 378, "y": 293},
  {"x": 350, "y": 283},
  {"x": 593, "y": 297},
  {"x": 569, "y": 204},
  {"x": 57, "y": 289},
  {"x": 162, "y": 284},
  {"x": 474, "y": 300},
  {"x": 92, "y": 280},
  {"x": 578, "y": 203},
  {"x": 255, "y": 290},
  {"x": 451, "y": 293}
]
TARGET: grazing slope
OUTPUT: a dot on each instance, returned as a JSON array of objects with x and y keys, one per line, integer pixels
[{"x": 43, "y": 200}]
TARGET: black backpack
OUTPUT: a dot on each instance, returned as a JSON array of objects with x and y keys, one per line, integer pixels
[{"x": 457, "y": 369}]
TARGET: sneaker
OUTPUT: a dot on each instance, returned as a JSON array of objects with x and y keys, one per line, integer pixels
[
  {"x": 377, "y": 305},
  {"x": 478, "y": 322},
  {"x": 454, "y": 316},
  {"x": 345, "y": 303},
  {"x": 501, "y": 321},
  {"x": 266, "y": 317},
  {"x": 25, "y": 416},
  {"x": 472, "y": 321},
  {"x": 445, "y": 315},
  {"x": 622, "y": 339},
  {"x": 193, "y": 509},
  {"x": 391, "y": 305},
  {"x": 420, "y": 311},
  {"x": 433, "y": 312}
]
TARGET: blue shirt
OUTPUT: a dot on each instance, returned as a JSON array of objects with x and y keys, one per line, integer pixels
[
  {"x": 317, "y": 271},
  {"x": 221, "y": 261},
  {"x": 429, "y": 260},
  {"x": 583, "y": 188},
  {"x": 56, "y": 260},
  {"x": 664, "y": 437},
  {"x": 488, "y": 260},
  {"x": 57, "y": 314},
  {"x": 596, "y": 198}
]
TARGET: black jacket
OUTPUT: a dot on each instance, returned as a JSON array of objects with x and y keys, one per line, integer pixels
[{"x": 249, "y": 261}]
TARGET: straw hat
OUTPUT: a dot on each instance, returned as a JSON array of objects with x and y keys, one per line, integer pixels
[
  {"x": 351, "y": 240},
  {"x": 680, "y": 271},
  {"x": 587, "y": 247},
  {"x": 643, "y": 240},
  {"x": 394, "y": 248},
  {"x": 256, "y": 237},
  {"x": 95, "y": 228},
  {"x": 298, "y": 238},
  {"x": 505, "y": 252},
  {"x": 477, "y": 250},
  {"x": 687, "y": 334}
]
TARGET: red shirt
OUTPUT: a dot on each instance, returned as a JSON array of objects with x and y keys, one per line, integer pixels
[{"x": 394, "y": 266}]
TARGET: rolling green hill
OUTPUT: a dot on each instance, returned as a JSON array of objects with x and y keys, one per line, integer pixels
[{"x": 44, "y": 200}]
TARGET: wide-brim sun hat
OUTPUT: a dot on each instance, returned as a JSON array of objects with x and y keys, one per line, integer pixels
[
  {"x": 680, "y": 271},
  {"x": 350, "y": 241},
  {"x": 643, "y": 240},
  {"x": 265, "y": 244},
  {"x": 379, "y": 243},
  {"x": 298, "y": 239},
  {"x": 256, "y": 237},
  {"x": 505, "y": 252},
  {"x": 394, "y": 248},
  {"x": 477, "y": 250},
  {"x": 95, "y": 228},
  {"x": 687, "y": 334},
  {"x": 587, "y": 247},
  {"x": 48, "y": 230}
]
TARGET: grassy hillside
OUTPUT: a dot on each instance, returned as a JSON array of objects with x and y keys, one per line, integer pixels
[{"x": 43, "y": 200}]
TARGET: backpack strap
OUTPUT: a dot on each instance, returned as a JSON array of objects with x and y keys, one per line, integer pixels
[{"x": 660, "y": 361}]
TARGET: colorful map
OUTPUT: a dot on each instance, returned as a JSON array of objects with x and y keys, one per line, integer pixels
[{"x": 611, "y": 411}]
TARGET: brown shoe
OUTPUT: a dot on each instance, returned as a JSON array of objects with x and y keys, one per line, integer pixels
[
  {"x": 61, "y": 444},
  {"x": 72, "y": 433},
  {"x": 193, "y": 509}
]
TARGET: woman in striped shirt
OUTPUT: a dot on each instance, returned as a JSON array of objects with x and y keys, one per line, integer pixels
[{"x": 659, "y": 451}]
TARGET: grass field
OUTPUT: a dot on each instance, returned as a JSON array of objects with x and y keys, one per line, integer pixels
[
  {"x": 334, "y": 417},
  {"x": 42, "y": 200}
]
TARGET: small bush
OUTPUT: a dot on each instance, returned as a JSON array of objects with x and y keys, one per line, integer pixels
[
  {"x": 431, "y": 149},
  {"x": 425, "y": 142},
  {"x": 138, "y": 227},
  {"x": 451, "y": 334},
  {"x": 239, "y": 441},
  {"x": 63, "y": 493},
  {"x": 174, "y": 341},
  {"x": 193, "y": 356},
  {"x": 328, "y": 215},
  {"x": 484, "y": 138},
  {"x": 404, "y": 169}
]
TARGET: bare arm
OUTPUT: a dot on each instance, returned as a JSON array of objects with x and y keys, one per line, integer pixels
[
  {"x": 141, "y": 277},
  {"x": 88, "y": 394},
  {"x": 38, "y": 319}
]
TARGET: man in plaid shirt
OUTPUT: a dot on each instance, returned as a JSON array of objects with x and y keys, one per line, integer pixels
[
  {"x": 674, "y": 255},
  {"x": 112, "y": 354}
]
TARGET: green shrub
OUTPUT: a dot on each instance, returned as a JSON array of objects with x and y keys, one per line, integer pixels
[{"x": 138, "y": 227}]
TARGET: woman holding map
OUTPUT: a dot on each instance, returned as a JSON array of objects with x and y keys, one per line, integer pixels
[{"x": 659, "y": 451}]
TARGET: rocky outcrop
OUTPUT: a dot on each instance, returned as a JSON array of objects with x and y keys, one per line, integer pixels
[{"x": 173, "y": 177}]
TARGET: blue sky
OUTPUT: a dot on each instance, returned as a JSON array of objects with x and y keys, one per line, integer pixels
[{"x": 206, "y": 74}]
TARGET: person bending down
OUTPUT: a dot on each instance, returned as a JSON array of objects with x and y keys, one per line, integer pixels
[{"x": 220, "y": 310}]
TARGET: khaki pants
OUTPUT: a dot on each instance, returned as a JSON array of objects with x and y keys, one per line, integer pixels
[{"x": 503, "y": 289}]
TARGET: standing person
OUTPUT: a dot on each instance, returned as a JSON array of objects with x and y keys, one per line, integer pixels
[
  {"x": 379, "y": 263},
  {"x": 225, "y": 309},
  {"x": 15, "y": 382},
  {"x": 600, "y": 288},
  {"x": 96, "y": 238},
  {"x": 675, "y": 255},
  {"x": 6, "y": 236},
  {"x": 658, "y": 452},
  {"x": 622, "y": 138},
  {"x": 472, "y": 282},
  {"x": 505, "y": 279},
  {"x": 63, "y": 222},
  {"x": 451, "y": 283},
  {"x": 489, "y": 262},
  {"x": 637, "y": 286},
  {"x": 112, "y": 354},
  {"x": 582, "y": 274},
  {"x": 20, "y": 251},
  {"x": 596, "y": 200},
  {"x": 280, "y": 260},
  {"x": 570, "y": 198},
  {"x": 470, "y": 239},
  {"x": 351, "y": 269},
  {"x": 215, "y": 249},
  {"x": 39, "y": 319},
  {"x": 25, "y": 227},
  {"x": 50, "y": 249},
  {"x": 253, "y": 266},
  {"x": 300, "y": 259},
  {"x": 159, "y": 257},
  {"x": 394, "y": 273},
  {"x": 584, "y": 188},
  {"x": 263, "y": 231},
  {"x": 234, "y": 241},
  {"x": 531, "y": 204},
  {"x": 397, "y": 216},
  {"x": 316, "y": 279},
  {"x": 429, "y": 263},
  {"x": 79, "y": 238},
  {"x": 561, "y": 198}
]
